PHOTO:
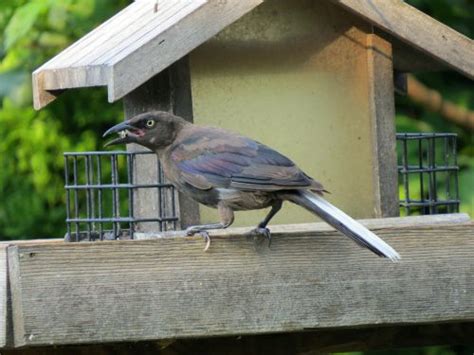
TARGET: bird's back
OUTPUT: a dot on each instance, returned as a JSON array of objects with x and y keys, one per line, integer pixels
[{"x": 209, "y": 157}]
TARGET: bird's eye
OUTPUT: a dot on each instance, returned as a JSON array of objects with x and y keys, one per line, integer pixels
[{"x": 150, "y": 123}]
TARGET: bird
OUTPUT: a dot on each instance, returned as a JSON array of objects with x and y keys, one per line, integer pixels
[{"x": 228, "y": 171}]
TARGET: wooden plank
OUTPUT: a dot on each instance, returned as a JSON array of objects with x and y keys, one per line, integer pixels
[
  {"x": 382, "y": 107},
  {"x": 168, "y": 91},
  {"x": 133, "y": 46},
  {"x": 303, "y": 228},
  {"x": 408, "y": 59},
  {"x": 3, "y": 295},
  {"x": 28, "y": 241},
  {"x": 169, "y": 14},
  {"x": 67, "y": 56},
  {"x": 17, "y": 319},
  {"x": 128, "y": 72},
  {"x": 169, "y": 288},
  {"x": 134, "y": 25},
  {"x": 42, "y": 97},
  {"x": 372, "y": 223},
  {"x": 419, "y": 30}
]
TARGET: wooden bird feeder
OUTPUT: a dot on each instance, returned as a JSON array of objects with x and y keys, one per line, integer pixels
[{"x": 315, "y": 80}]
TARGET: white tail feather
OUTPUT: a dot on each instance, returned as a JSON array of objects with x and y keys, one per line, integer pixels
[{"x": 357, "y": 228}]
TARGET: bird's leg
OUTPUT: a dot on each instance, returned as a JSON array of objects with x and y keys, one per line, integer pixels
[
  {"x": 227, "y": 217},
  {"x": 262, "y": 226}
]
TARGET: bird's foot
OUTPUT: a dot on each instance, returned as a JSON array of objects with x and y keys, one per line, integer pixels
[
  {"x": 193, "y": 231},
  {"x": 259, "y": 232}
]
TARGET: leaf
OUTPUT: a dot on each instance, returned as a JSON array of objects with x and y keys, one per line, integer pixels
[{"x": 22, "y": 21}]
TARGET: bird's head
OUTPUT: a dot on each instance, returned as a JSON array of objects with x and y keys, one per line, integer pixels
[{"x": 153, "y": 130}]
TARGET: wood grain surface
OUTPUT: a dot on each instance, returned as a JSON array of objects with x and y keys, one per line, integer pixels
[
  {"x": 69, "y": 293},
  {"x": 419, "y": 30}
]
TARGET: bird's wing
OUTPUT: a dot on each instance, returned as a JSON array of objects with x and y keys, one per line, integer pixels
[{"x": 216, "y": 158}]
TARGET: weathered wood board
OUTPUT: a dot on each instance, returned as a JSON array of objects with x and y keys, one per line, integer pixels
[
  {"x": 3, "y": 295},
  {"x": 382, "y": 108},
  {"x": 66, "y": 293},
  {"x": 135, "y": 45},
  {"x": 117, "y": 53},
  {"x": 371, "y": 223},
  {"x": 419, "y": 30}
]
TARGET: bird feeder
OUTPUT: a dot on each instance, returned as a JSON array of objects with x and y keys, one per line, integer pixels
[{"x": 313, "y": 79}]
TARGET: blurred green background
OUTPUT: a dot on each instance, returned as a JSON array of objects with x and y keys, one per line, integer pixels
[
  {"x": 31, "y": 143},
  {"x": 32, "y": 196}
]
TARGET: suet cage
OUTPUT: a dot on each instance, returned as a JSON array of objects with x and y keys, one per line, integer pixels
[
  {"x": 428, "y": 173},
  {"x": 101, "y": 193},
  {"x": 102, "y": 188}
]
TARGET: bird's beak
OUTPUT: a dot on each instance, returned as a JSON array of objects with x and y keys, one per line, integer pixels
[{"x": 124, "y": 134}]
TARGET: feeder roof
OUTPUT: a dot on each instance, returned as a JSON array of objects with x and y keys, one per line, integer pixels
[
  {"x": 149, "y": 35},
  {"x": 134, "y": 45}
]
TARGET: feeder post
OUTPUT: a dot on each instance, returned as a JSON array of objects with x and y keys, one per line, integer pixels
[
  {"x": 167, "y": 91},
  {"x": 382, "y": 116}
]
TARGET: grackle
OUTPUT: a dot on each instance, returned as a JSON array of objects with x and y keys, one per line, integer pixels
[{"x": 231, "y": 172}]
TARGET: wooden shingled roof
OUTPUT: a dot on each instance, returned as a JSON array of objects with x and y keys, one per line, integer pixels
[{"x": 148, "y": 36}]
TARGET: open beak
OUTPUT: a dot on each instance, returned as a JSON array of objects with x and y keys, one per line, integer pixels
[{"x": 125, "y": 136}]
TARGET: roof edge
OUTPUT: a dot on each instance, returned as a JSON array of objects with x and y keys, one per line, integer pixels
[
  {"x": 418, "y": 30},
  {"x": 49, "y": 83},
  {"x": 124, "y": 73},
  {"x": 173, "y": 44}
]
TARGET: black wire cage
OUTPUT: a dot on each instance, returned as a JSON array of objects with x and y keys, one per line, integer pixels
[
  {"x": 103, "y": 191},
  {"x": 428, "y": 173}
]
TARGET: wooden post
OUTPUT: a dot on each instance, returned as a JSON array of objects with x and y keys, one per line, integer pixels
[
  {"x": 382, "y": 101},
  {"x": 168, "y": 91}
]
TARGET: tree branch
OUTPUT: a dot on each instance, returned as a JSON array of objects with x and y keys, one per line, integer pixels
[{"x": 433, "y": 101}]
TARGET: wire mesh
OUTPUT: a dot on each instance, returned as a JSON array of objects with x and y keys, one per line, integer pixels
[
  {"x": 428, "y": 173},
  {"x": 101, "y": 192}
]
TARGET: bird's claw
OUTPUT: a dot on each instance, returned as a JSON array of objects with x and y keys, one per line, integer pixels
[
  {"x": 190, "y": 232},
  {"x": 261, "y": 232}
]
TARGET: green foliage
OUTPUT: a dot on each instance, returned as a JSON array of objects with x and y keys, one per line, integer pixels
[
  {"x": 23, "y": 20},
  {"x": 32, "y": 143}
]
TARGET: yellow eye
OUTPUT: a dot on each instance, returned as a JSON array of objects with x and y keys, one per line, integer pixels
[{"x": 150, "y": 123}]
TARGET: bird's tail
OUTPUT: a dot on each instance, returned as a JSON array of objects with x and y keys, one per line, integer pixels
[{"x": 342, "y": 222}]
